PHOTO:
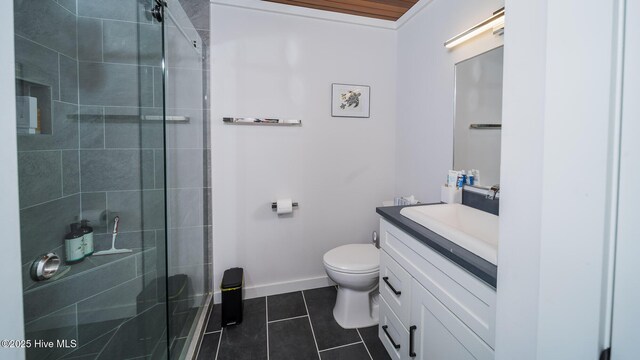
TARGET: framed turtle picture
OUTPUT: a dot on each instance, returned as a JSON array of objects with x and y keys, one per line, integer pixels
[{"x": 350, "y": 100}]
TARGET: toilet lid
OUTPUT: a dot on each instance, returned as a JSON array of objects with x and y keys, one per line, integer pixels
[{"x": 353, "y": 258}]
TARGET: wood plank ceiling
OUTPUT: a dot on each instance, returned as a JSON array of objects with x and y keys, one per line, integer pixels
[{"x": 379, "y": 9}]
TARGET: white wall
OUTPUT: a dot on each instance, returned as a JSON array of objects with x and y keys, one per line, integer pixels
[
  {"x": 578, "y": 134},
  {"x": 268, "y": 64},
  {"x": 12, "y": 326},
  {"x": 626, "y": 313},
  {"x": 558, "y": 117},
  {"x": 425, "y": 80},
  {"x": 521, "y": 165}
]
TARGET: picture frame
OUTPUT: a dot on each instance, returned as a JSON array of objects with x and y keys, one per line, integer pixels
[{"x": 352, "y": 101}]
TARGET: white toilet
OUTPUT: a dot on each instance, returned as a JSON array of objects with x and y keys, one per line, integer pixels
[{"x": 355, "y": 268}]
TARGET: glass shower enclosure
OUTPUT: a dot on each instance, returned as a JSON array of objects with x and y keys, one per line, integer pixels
[{"x": 114, "y": 191}]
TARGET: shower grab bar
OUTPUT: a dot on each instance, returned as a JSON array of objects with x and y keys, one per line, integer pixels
[
  {"x": 261, "y": 121},
  {"x": 168, "y": 118},
  {"x": 486, "y": 126},
  {"x": 134, "y": 118}
]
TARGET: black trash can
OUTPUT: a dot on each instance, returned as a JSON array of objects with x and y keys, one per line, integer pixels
[{"x": 231, "y": 289}]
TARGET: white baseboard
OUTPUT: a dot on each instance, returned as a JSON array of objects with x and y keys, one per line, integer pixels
[{"x": 280, "y": 288}]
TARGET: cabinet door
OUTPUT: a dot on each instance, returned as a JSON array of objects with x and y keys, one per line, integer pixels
[{"x": 437, "y": 334}]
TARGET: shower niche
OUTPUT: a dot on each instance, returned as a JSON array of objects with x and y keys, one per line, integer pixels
[{"x": 33, "y": 108}]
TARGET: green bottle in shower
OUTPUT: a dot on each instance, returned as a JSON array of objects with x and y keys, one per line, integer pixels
[
  {"x": 73, "y": 245},
  {"x": 87, "y": 241}
]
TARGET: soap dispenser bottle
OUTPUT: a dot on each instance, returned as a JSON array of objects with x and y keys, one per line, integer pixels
[
  {"x": 73, "y": 245},
  {"x": 88, "y": 237}
]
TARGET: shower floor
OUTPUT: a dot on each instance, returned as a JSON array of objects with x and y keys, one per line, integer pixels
[{"x": 297, "y": 325}]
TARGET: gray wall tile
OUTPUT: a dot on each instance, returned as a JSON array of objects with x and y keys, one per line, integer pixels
[
  {"x": 68, "y": 79},
  {"x": 138, "y": 210},
  {"x": 37, "y": 64},
  {"x": 91, "y": 127},
  {"x": 185, "y": 135},
  {"x": 107, "y": 310},
  {"x": 115, "y": 84},
  {"x": 60, "y": 325},
  {"x": 127, "y": 342},
  {"x": 159, "y": 163},
  {"x": 109, "y": 170},
  {"x": 94, "y": 208},
  {"x": 68, "y": 4},
  {"x": 198, "y": 12},
  {"x": 124, "y": 128},
  {"x": 147, "y": 262},
  {"x": 180, "y": 51},
  {"x": 157, "y": 88},
  {"x": 184, "y": 207},
  {"x": 89, "y": 39},
  {"x": 40, "y": 177},
  {"x": 184, "y": 88},
  {"x": 132, "y": 43},
  {"x": 43, "y": 227},
  {"x": 184, "y": 168},
  {"x": 128, "y": 10},
  {"x": 185, "y": 246},
  {"x": 70, "y": 172},
  {"x": 72, "y": 289},
  {"x": 46, "y": 23},
  {"x": 91, "y": 350},
  {"x": 64, "y": 131}
]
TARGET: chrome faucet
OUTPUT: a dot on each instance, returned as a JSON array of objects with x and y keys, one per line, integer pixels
[{"x": 496, "y": 190}]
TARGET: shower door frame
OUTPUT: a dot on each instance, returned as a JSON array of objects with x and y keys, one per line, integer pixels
[{"x": 10, "y": 279}]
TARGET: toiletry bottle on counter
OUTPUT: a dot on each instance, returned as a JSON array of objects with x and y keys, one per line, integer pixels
[
  {"x": 462, "y": 179},
  {"x": 88, "y": 237},
  {"x": 476, "y": 176},
  {"x": 470, "y": 178},
  {"x": 73, "y": 245}
]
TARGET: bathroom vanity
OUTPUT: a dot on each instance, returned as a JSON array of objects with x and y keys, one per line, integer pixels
[{"x": 437, "y": 297}]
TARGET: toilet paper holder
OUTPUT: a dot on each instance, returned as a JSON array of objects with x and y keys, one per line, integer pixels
[{"x": 274, "y": 205}]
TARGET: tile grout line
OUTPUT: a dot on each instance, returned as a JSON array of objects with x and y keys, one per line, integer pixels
[
  {"x": 219, "y": 344},
  {"x": 341, "y": 346},
  {"x": 365, "y": 344},
  {"x": 291, "y": 318},
  {"x": 266, "y": 308},
  {"x": 212, "y": 332},
  {"x": 304, "y": 299}
]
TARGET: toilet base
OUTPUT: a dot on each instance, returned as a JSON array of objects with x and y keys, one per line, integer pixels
[{"x": 356, "y": 309}]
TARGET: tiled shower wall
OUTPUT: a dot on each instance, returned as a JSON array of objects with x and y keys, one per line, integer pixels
[{"x": 101, "y": 62}]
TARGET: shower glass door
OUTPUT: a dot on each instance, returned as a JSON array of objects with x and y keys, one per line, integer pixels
[
  {"x": 186, "y": 182},
  {"x": 91, "y": 146}
]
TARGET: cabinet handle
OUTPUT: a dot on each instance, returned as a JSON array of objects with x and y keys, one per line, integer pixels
[
  {"x": 386, "y": 280},
  {"x": 384, "y": 328},
  {"x": 412, "y": 329}
]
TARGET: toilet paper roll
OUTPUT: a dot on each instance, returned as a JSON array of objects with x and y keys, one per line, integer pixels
[{"x": 284, "y": 206}]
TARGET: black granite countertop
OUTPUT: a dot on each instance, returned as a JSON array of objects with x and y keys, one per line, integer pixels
[{"x": 481, "y": 268}]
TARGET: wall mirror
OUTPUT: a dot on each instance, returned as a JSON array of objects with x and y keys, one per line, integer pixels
[{"x": 478, "y": 115}]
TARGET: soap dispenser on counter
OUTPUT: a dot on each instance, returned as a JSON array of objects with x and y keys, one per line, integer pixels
[{"x": 73, "y": 245}]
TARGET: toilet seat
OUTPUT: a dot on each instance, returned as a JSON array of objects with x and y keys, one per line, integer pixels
[{"x": 353, "y": 259}]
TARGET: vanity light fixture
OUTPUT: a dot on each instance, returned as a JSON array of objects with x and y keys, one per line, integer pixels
[{"x": 495, "y": 22}]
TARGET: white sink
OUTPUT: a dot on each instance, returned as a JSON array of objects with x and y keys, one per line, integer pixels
[{"x": 474, "y": 230}]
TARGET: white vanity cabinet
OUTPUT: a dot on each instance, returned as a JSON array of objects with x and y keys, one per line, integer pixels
[{"x": 431, "y": 308}]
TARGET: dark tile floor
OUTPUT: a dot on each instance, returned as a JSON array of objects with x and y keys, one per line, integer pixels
[{"x": 296, "y": 325}]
